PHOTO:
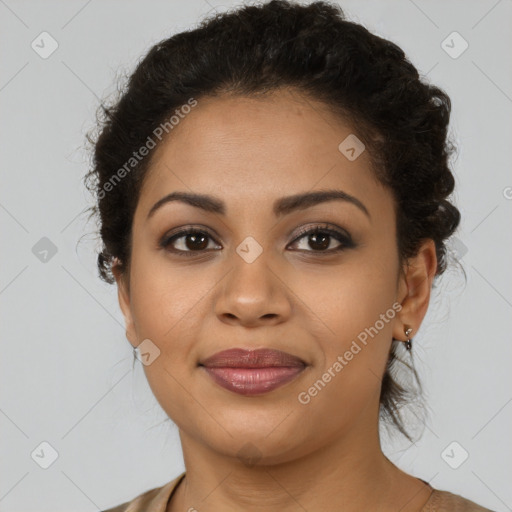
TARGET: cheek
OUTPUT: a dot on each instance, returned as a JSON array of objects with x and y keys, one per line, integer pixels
[
  {"x": 346, "y": 299},
  {"x": 345, "y": 385},
  {"x": 164, "y": 295},
  {"x": 351, "y": 317},
  {"x": 165, "y": 310}
]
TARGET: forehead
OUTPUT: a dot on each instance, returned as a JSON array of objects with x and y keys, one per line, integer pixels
[{"x": 252, "y": 150}]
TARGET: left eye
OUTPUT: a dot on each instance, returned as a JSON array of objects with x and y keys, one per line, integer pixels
[{"x": 320, "y": 238}]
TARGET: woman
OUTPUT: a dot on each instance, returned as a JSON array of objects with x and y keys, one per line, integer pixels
[{"x": 273, "y": 191}]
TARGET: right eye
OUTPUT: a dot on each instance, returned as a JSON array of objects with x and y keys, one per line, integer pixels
[{"x": 189, "y": 240}]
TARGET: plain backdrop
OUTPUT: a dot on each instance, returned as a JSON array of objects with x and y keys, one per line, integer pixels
[{"x": 69, "y": 397}]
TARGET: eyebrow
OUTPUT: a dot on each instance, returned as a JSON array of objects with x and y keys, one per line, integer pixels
[{"x": 282, "y": 206}]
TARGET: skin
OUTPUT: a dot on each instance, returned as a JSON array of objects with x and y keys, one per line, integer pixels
[{"x": 315, "y": 457}]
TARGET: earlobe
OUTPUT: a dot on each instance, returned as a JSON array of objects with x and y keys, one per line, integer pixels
[
  {"x": 414, "y": 289},
  {"x": 123, "y": 296}
]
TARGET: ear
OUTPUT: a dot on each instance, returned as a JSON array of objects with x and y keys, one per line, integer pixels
[
  {"x": 415, "y": 284},
  {"x": 123, "y": 295}
]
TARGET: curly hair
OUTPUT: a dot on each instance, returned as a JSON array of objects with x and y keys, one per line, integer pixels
[{"x": 313, "y": 49}]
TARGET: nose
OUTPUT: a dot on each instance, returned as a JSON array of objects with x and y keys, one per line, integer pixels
[{"x": 253, "y": 294}]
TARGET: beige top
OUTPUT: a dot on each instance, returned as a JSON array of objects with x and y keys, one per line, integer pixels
[{"x": 157, "y": 499}]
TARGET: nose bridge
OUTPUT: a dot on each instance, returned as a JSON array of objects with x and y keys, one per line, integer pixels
[
  {"x": 253, "y": 235},
  {"x": 252, "y": 290},
  {"x": 252, "y": 274},
  {"x": 254, "y": 251}
]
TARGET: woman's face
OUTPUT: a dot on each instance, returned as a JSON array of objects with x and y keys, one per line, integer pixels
[{"x": 251, "y": 279}]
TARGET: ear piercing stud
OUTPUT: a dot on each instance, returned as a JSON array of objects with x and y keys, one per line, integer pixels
[{"x": 408, "y": 342}]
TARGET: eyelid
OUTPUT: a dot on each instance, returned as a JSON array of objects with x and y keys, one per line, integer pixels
[{"x": 322, "y": 227}]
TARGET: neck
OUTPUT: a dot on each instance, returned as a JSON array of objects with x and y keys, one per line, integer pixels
[{"x": 348, "y": 473}]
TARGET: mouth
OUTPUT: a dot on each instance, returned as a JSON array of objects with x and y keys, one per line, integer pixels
[{"x": 252, "y": 372}]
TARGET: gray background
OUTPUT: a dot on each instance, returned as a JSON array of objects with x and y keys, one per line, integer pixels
[{"x": 66, "y": 366}]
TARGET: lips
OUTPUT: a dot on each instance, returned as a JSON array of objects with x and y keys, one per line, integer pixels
[
  {"x": 252, "y": 372},
  {"x": 260, "y": 358}
]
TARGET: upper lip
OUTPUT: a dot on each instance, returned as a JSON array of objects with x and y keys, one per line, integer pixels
[{"x": 258, "y": 358}]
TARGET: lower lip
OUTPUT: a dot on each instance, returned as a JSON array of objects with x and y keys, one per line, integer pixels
[{"x": 253, "y": 381}]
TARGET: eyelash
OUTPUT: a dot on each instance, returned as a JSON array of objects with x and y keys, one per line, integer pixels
[{"x": 345, "y": 240}]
